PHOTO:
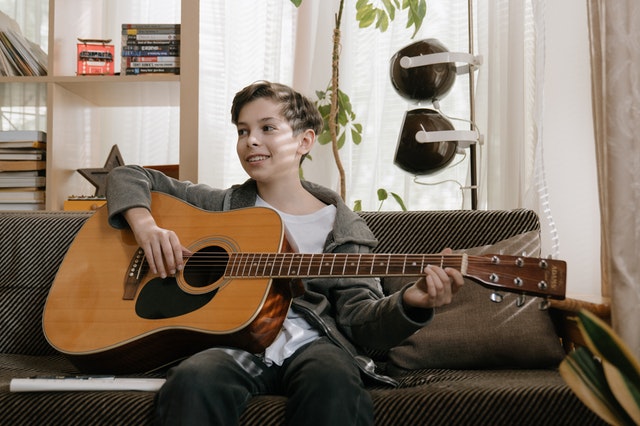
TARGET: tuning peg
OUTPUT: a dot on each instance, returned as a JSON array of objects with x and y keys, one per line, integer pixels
[
  {"x": 496, "y": 297},
  {"x": 544, "y": 304},
  {"x": 520, "y": 300}
]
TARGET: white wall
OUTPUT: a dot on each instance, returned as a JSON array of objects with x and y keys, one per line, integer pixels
[{"x": 569, "y": 144}]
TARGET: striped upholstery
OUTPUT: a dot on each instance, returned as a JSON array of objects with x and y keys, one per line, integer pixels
[
  {"x": 31, "y": 249},
  {"x": 33, "y": 244}
]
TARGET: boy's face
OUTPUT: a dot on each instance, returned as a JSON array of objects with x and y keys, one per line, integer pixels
[{"x": 267, "y": 148}]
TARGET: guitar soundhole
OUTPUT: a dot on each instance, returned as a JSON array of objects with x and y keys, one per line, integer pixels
[{"x": 206, "y": 266}]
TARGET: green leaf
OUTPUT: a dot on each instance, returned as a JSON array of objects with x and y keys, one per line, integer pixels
[
  {"x": 324, "y": 138},
  {"x": 416, "y": 13},
  {"x": 356, "y": 136},
  {"x": 357, "y": 206},
  {"x": 382, "y": 194},
  {"x": 585, "y": 376},
  {"x": 399, "y": 201},
  {"x": 605, "y": 343},
  {"x": 297, "y": 3},
  {"x": 625, "y": 391},
  {"x": 366, "y": 16},
  {"x": 391, "y": 8}
]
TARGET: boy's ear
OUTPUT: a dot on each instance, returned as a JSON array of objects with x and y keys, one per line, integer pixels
[{"x": 307, "y": 139}]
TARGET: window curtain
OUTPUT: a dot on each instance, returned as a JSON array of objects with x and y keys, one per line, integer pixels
[
  {"x": 241, "y": 41},
  {"x": 506, "y": 96},
  {"x": 614, "y": 34}
]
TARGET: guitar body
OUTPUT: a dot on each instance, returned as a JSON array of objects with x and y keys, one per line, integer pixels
[{"x": 105, "y": 325}]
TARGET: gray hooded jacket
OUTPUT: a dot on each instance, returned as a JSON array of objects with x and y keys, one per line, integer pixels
[{"x": 352, "y": 312}]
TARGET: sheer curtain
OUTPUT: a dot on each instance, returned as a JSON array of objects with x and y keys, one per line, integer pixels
[
  {"x": 615, "y": 54},
  {"x": 241, "y": 41},
  {"x": 506, "y": 102}
]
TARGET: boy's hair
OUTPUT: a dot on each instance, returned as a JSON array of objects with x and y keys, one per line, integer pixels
[{"x": 299, "y": 111}]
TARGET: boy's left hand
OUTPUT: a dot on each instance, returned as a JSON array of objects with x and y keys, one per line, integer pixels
[{"x": 436, "y": 288}]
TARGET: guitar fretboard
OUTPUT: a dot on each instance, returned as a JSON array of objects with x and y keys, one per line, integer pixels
[{"x": 296, "y": 265}]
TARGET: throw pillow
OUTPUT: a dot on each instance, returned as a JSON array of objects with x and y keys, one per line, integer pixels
[{"x": 474, "y": 332}]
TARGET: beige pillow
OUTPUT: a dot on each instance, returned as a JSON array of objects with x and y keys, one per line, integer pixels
[{"x": 475, "y": 333}]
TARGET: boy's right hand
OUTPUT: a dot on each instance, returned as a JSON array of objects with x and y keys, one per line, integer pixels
[{"x": 162, "y": 248}]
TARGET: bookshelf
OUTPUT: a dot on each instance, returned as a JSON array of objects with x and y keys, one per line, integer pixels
[{"x": 86, "y": 115}]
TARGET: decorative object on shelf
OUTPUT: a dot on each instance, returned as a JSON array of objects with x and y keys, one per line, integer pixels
[
  {"x": 423, "y": 73},
  {"x": 95, "y": 56},
  {"x": 98, "y": 177}
]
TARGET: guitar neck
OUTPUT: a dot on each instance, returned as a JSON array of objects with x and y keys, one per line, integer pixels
[
  {"x": 298, "y": 265},
  {"x": 537, "y": 277}
]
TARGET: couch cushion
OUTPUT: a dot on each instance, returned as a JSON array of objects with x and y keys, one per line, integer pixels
[
  {"x": 439, "y": 397},
  {"x": 475, "y": 333}
]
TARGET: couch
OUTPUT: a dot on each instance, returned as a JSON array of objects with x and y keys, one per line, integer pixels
[{"x": 477, "y": 363}]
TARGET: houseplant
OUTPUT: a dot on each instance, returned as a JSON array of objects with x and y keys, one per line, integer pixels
[
  {"x": 605, "y": 375},
  {"x": 334, "y": 104}
]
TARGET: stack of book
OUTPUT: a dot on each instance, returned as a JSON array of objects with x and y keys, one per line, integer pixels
[
  {"x": 150, "y": 48},
  {"x": 19, "y": 56},
  {"x": 22, "y": 169}
]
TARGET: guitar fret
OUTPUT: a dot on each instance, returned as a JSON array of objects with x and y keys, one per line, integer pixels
[
  {"x": 251, "y": 262},
  {"x": 259, "y": 268},
  {"x": 273, "y": 263},
  {"x": 291, "y": 267},
  {"x": 310, "y": 257},
  {"x": 333, "y": 261}
]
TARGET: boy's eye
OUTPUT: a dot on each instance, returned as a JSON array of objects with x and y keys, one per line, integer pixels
[
  {"x": 267, "y": 128},
  {"x": 242, "y": 132}
]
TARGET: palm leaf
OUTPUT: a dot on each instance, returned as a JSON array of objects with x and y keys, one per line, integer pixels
[
  {"x": 606, "y": 344},
  {"x": 625, "y": 391},
  {"x": 586, "y": 378}
]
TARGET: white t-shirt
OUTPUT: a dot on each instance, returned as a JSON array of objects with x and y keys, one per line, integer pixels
[{"x": 306, "y": 234}]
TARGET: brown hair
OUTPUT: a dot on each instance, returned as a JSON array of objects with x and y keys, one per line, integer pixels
[{"x": 299, "y": 111}]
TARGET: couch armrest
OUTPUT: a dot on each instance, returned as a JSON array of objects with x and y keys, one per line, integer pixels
[{"x": 564, "y": 315}]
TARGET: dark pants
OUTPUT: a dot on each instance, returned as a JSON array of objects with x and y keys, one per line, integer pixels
[{"x": 321, "y": 381}]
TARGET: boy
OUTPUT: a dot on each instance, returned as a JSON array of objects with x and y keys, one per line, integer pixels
[{"x": 313, "y": 361}]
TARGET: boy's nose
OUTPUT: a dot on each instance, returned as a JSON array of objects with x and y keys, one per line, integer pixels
[{"x": 252, "y": 141}]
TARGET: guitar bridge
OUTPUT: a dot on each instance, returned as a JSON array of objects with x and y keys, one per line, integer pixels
[{"x": 137, "y": 269}]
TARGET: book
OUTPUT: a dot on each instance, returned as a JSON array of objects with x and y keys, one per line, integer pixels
[
  {"x": 21, "y": 136},
  {"x": 10, "y": 165},
  {"x": 21, "y": 154},
  {"x": 24, "y": 144},
  {"x": 126, "y": 27},
  {"x": 22, "y": 181},
  {"x": 22, "y": 195},
  {"x": 20, "y": 57},
  {"x": 137, "y": 37},
  {"x": 84, "y": 383},
  {"x": 149, "y": 64},
  {"x": 149, "y": 50},
  {"x": 135, "y": 71},
  {"x": 22, "y": 206}
]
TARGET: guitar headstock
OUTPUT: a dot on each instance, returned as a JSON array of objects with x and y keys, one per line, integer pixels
[{"x": 519, "y": 274}]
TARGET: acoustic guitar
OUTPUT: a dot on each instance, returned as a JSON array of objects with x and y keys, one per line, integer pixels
[{"x": 109, "y": 314}]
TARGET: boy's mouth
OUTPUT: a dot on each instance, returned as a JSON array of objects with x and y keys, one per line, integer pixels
[{"x": 255, "y": 158}]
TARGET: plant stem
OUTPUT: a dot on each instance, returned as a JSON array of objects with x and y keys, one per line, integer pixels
[{"x": 333, "y": 114}]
